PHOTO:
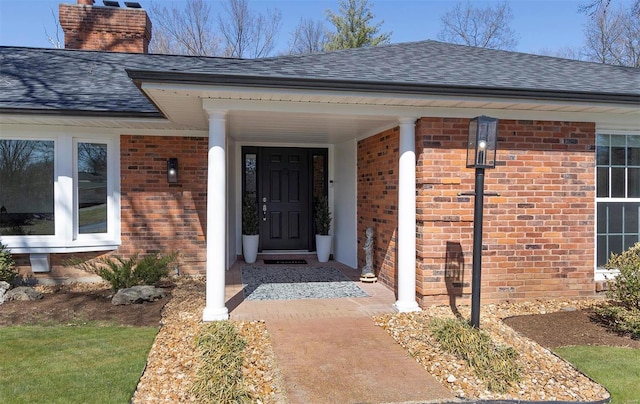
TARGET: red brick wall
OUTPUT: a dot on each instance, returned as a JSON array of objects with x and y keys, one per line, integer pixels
[
  {"x": 162, "y": 217},
  {"x": 538, "y": 235},
  {"x": 105, "y": 28},
  {"x": 378, "y": 201}
]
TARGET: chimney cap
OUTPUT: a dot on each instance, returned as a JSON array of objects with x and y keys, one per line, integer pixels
[{"x": 132, "y": 4}]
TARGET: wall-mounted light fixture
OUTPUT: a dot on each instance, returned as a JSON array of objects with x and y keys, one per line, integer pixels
[{"x": 172, "y": 170}]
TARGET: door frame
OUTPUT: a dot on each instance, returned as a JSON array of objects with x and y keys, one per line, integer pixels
[{"x": 313, "y": 152}]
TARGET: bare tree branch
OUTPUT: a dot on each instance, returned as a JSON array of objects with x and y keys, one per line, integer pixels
[
  {"x": 245, "y": 33},
  {"x": 185, "y": 31},
  {"x": 482, "y": 27},
  {"x": 54, "y": 40},
  {"x": 612, "y": 36},
  {"x": 309, "y": 37}
]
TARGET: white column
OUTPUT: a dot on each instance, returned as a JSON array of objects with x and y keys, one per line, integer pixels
[
  {"x": 215, "y": 308},
  {"x": 406, "y": 246}
]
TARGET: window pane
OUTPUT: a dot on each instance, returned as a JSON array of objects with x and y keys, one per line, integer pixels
[
  {"x": 615, "y": 217},
  {"x": 603, "y": 182},
  {"x": 602, "y": 218},
  {"x": 632, "y": 217},
  {"x": 615, "y": 244},
  {"x": 618, "y": 156},
  {"x": 602, "y": 150},
  {"x": 318, "y": 177},
  {"x": 617, "y": 182},
  {"x": 633, "y": 183},
  {"x": 633, "y": 152},
  {"x": 250, "y": 183},
  {"x": 92, "y": 188},
  {"x": 629, "y": 241},
  {"x": 26, "y": 187},
  {"x": 603, "y": 252}
]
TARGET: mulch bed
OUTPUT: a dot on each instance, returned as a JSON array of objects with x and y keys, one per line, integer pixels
[
  {"x": 566, "y": 328},
  {"x": 79, "y": 303}
]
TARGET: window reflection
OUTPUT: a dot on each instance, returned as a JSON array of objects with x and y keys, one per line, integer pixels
[
  {"x": 26, "y": 187},
  {"x": 92, "y": 188}
]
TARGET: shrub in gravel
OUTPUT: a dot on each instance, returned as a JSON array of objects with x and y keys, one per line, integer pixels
[
  {"x": 622, "y": 312},
  {"x": 124, "y": 273},
  {"x": 496, "y": 365},
  {"x": 7, "y": 271},
  {"x": 219, "y": 378}
]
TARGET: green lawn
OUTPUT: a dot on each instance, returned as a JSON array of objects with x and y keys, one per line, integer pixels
[
  {"x": 617, "y": 369},
  {"x": 72, "y": 364}
]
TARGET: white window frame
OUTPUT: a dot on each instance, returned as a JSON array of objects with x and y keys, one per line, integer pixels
[
  {"x": 602, "y": 274},
  {"x": 67, "y": 238}
]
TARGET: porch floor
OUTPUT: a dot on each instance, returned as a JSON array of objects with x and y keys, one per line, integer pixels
[{"x": 330, "y": 350}]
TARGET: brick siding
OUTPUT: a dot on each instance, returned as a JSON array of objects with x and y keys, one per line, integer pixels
[
  {"x": 538, "y": 234},
  {"x": 161, "y": 217},
  {"x": 378, "y": 201}
]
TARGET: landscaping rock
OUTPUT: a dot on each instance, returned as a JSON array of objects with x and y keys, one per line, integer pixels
[
  {"x": 4, "y": 286},
  {"x": 138, "y": 294},
  {"x": 22, "y": 293}
]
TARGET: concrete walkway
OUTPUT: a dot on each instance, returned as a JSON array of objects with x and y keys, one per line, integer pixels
[{"x": 330, "y": 350}]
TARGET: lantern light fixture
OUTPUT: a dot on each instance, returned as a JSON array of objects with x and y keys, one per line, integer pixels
[
  {"x": 172, "y": 170},
  {"x": 483, "y": 139}
]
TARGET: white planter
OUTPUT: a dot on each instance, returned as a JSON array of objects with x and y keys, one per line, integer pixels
[
  {"x": 323, "y": 247},
  {"x": 250, "y": 247}
]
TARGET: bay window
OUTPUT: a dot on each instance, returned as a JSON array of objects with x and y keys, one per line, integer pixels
[
  {"x": 59, "y": 192},
  {"x": 618, "y": 194}
]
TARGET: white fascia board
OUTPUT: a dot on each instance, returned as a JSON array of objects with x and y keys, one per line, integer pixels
[
  {"x": 629, "y": 121},
  {"x": 231, "y": 93}
]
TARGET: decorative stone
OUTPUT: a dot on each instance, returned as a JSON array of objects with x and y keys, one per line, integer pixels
[
  {"x": 22, "y": 293},
  {"x": 451, "y": 379},
  {"x": 138, "y": 294},
  {"x": 4, "y": 286}
]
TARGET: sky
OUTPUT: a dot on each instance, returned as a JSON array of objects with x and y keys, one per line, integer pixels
[{"x": 540, "y": 24}]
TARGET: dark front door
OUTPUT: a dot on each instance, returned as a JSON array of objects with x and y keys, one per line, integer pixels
[{"x": 284, "y": 198}]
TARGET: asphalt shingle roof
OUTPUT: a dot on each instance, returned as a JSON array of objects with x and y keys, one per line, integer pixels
[{"x": 100, "y": 82}]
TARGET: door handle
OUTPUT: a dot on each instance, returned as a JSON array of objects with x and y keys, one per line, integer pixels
[{"x": 264, "y": 212}]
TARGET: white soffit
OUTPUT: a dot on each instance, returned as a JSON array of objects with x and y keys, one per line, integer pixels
[{"x": 319, "y": 116}]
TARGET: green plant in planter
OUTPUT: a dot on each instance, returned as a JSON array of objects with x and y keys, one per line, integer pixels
[
  {"x": 323, "y": 216},
  {"x": 7, "y": 271},
  {"x": 250, "y": 222}
]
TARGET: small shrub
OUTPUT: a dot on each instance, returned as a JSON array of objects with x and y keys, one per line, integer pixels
[
  {"x": 323, "y": 216},
  {"x": 219, "y": 378},
  {"x": 151, "y": 268},
  {"x": 622, "y": 312},
  {"x": 625, "y": 290},
  {"x": 496, "y": 365},
  {"x": 7, "y": 266},
  {"x": 620, "y": 319},
  {"x": 250, "y": 223},
  {"x": 124, "y": 273}
]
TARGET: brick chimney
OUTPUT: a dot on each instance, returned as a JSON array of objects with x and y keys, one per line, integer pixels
[{"x": 106, "y": 28}]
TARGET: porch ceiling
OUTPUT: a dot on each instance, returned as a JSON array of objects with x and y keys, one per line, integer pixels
[{"x": 299, "y": 116}]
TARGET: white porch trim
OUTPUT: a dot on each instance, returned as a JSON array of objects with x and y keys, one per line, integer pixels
[
  {"x": 406, "y": 259},
  {"x": 215, "y": 309}
]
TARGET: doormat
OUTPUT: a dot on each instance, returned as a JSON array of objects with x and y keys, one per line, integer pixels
[
  {"x": 281, "y": 282},
  {"x": 284, "y": 262}
]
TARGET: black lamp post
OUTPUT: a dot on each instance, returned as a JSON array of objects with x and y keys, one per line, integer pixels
[{"x": 481, "y": 154}]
